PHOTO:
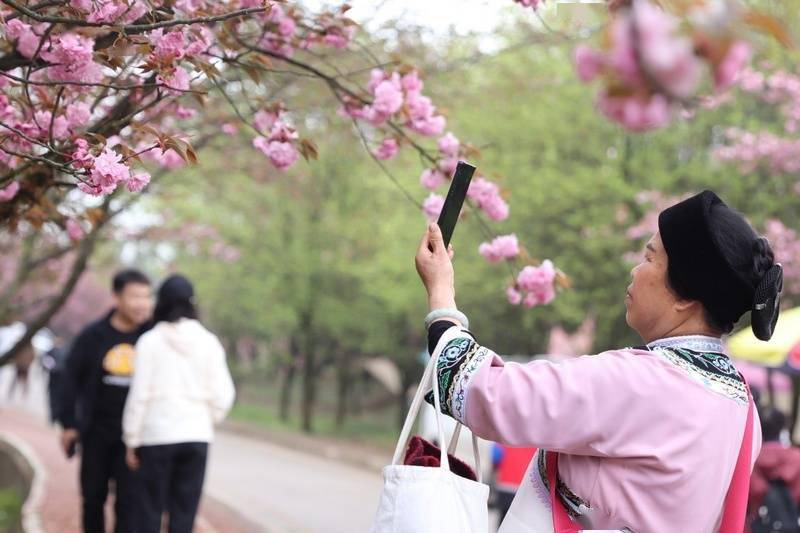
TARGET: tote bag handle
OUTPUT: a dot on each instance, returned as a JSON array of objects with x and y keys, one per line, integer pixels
[{"x": 429, "y": 380}]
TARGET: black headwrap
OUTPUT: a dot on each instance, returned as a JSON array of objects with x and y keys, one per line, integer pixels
[{"x": 699, "y": 270}]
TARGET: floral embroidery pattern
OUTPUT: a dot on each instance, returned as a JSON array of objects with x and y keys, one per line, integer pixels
[
  {"x": 713, "y": 370},
  {"x": 459, "y": 360}
]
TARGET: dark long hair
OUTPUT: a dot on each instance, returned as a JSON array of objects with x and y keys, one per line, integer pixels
[{"x": 175, "y": 300}]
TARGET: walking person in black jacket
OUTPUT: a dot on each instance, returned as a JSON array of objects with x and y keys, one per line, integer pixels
[{"x": 96, "y": 382}]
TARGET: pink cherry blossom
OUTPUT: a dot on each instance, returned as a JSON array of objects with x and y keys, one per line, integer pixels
[
  {"x": 281, "y": 154},
  {"x": 190, "y": 6},
  {"x": 448, "y": 165},
  {"x": 538, "y": 283},
  {"x": 411, "y": 83},
  {"x": 786, "y": 244},
  {"x": 432, "y": 179},
  {"x": 419, "y": 107},
  {"x": 60, "y": 125},
  {"x": 74, "y": 229},
  {"x": 339, "y": 37},
  {"x": 502, "y": 247},
  {"x": 668, "y": 56},
  {"x": 588, "y": 62},
  {"x": 448, "y": 144},
  {"x": 282, "y": 131},
  {"x": 107, "y": 172},
  {"x": 373, "y": 116},
  {"x": 622, "y": 56},
  {"x": 287, "y": 26},
  {"x": 72, "y": 58},
  {"x": 81, "y": 158},
  {"x": 487, "y": 196},
  {"x": 429, "y": 126},
  {"x": 168, "y": 159},
  {"x": 727, "y": 71},
  {"x": 78, "y": 115},
  {"x": 177, "y": 81},
  {"x": 264, "y": 119},
  {"x": 751, "y": 81},
  {"x": 185, "y": 112},
  {"x": 106, "y": 11},
  {"x": 387, "y": 149},
  {"x": 388, "y": 97},
  {"x": 513, "y": 295},
  {"x": 533, "y": 4},
  {"x": 376, "y": 76},
  {"x": 9, "y": 191},
  {"x": 496, "y": 209},
  {"x": 26, "y": 36},
  {"x": 277, "y": 44},
  {"x": 636, "y": 113},
  {"x": 138, "y": 182},
  {"x": 228, "y": 129},
  {"x": 432, "y": 206},
  {"x": 169, "y": 46}
]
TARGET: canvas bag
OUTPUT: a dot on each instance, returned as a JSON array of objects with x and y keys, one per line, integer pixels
[{"x": 423, "y": 499}]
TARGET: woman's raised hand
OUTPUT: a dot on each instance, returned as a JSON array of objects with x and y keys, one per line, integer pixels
[{"x": 435, "y": 268}]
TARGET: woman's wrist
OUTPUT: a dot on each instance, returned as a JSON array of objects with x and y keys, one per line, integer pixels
[{"x": 441, "y": 298}]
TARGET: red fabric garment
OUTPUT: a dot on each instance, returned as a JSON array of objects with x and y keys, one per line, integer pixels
[
  {"x": 513, "y": 465},
  {"x": 421, "y": 452},
  {"x": 775, "y": 462}
]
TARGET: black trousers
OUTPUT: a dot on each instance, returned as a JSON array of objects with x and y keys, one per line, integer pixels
[
  {"x": 172, "y": 477},
  {"x": 504, "y": 499},
  {"x": 103, "y": 460}
]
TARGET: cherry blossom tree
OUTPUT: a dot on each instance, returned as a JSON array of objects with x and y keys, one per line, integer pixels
[{"x": 102, "y": 95}]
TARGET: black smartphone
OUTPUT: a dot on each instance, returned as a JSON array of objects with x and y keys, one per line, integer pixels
[{"x": 455, "y": 200}]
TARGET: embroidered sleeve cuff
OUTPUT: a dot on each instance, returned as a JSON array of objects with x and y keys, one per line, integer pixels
[{"x": 459, "y": 358}]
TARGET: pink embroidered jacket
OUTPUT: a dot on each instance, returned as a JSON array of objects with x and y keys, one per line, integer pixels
[{"x": 649, "y": 437}]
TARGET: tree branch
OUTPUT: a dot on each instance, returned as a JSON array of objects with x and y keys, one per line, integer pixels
[
  {"x": 131, "y": 28},
  {"x": 84, "y": 252}
]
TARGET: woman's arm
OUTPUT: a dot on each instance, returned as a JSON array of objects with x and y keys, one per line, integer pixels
[
  {"x": 222, "y": 392},
  {"x": 138, "y": 395},
  {"x": 589, "y": 405}
]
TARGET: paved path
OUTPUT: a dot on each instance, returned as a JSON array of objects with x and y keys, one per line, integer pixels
[
  {"x": 251, "y": 484},
  {"x": 56, "y": 506},
  {"x": 291, "y": 491}
]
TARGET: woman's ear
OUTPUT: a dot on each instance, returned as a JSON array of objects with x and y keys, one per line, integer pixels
[{"x": 687, "y": 306}]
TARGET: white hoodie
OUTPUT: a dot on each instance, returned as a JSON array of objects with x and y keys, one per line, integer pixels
[{"x": 181, "y": 386}]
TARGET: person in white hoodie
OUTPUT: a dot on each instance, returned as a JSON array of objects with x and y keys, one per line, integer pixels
[{"x": 181, "y": 386}]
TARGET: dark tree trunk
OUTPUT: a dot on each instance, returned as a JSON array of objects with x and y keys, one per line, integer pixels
[
  {"x": 309, "y": 373},
  {"x": 289, "y": 373}
]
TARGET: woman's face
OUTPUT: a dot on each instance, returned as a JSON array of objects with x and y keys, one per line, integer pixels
[{"x": 649, "y": 302}]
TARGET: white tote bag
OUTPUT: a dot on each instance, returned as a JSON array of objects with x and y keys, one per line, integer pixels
[{"x": 424, "y": 499}]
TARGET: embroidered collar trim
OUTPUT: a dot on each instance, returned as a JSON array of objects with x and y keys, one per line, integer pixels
[{"x": 697, "y": 343}]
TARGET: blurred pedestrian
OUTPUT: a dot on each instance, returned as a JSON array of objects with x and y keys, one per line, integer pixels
[
  {"x": 22, "y": 361},
  {"x": 95, "y": 385},
  {"x": 54, "y": 362},
  {"x": 775, "y": 482},
  {"x": 181, "y": 387},
  {"x": 510, "y": 464}
]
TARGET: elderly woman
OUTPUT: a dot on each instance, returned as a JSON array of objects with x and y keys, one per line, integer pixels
[{"x": 658, "y": 438}]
